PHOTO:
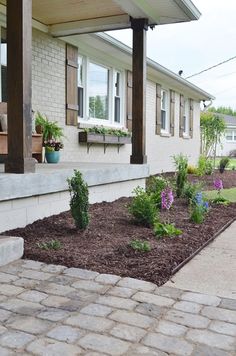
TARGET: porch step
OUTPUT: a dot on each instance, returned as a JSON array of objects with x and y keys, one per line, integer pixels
[{"x": 11, "y": 249}]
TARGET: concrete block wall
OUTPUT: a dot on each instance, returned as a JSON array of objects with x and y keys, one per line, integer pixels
[
  {"x": 160, "y": 150},
  {"x": 21, "y": 212}
]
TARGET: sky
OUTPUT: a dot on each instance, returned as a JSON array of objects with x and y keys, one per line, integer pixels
[{"x": 197, "y": 45}]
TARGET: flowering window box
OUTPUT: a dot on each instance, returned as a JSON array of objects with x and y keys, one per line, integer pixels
[{"x": 106, "y": 139}]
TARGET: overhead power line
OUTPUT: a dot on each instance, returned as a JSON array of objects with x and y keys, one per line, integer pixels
[{"x": 209, "y": 68}]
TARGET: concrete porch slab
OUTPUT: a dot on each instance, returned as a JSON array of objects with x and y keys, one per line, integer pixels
[{"x": 11, "y": 249}]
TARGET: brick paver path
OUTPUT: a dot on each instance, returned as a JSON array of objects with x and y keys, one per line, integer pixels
[{"x": 54, "y": 310}]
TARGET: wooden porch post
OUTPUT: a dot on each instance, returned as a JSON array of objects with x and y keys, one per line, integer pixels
[
  {"x": 139, "y": 27},
  {"x": 19, "y": 39}
]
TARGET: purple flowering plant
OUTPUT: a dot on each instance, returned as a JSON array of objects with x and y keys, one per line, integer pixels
[
  {"x": 53, "y": 145},
  {"x": 167, "y": 198},
  {"x": 218, "y": 185}
]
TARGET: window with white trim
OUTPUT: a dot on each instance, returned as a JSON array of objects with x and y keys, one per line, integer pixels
[
  {"x": 186, "y": 116},
  {"x": 230, "y": 135},
  {"x": 100, "y": 93},
  {"x": 164, "y": 110}
]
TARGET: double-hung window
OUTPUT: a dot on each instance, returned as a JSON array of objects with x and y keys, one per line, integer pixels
[
  {"x": 231, "y": 135},
  {"x": 186, "y": 116},
  {"x": 164, "y": 110},
  {"x": 100, "y": 93}
]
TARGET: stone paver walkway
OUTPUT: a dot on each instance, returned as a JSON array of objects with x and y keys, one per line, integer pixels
[{"x": 53, "y": 310}]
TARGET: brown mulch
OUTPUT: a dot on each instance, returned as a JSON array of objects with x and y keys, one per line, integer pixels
[
  {"x": 228, "y": 178},
  {"x": 104, "y": 246}
]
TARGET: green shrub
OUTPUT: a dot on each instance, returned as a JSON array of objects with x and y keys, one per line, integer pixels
[
  {"x": 192, "y": 170},
  {"x": 224, "y": 163},
  {"x": 156, "y": 185},
  {"x": 197, "y": 214},
  {"x": 139, "y": 245},
  {"x": 205, "y": 166},
  {"x": 190, "y": 190},
  {"x": 50, "y": 245},
  {"x": 143, "y": 208},
  {"x": 181, "y": 163},
  {"x": 161, "y": 230},
  {"x": 79, "y": 200}
]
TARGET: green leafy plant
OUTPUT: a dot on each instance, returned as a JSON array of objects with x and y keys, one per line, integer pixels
[
  {"x": 190, "y": 190},
  {"x": 156, "y": 185},
  {"x": 79, "y": 200},
  {"x": 224, "y": 163},
  {"x": 140, "y": 245},
  {"x": 197, "y": 214},
  {"x": 219, "y": 199},
  {"x": 143, "y": 208},
  {"x": 50, "y": 129},
  {"x": 205, "y": 166},
  {"x": 192, "y": 170},
  {"x": 163, "y": 229},
  {"x": 50, "y": 245},
  {"x": 106, "y": 131},
  {"x": 181, "y": 164}
]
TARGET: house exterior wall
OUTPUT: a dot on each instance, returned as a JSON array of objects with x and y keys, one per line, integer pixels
[
  {"x": 48, "y": 97},
  {"x": 225, "y": 147}
]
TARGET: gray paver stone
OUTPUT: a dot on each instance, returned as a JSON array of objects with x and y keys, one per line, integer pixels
[
  {"x": 104, "y": 344},
  {"x": 53, "y": 268},
  {"x": 2, "y": 329},
  {"x": 4, "y": 315},
  {"x": 171, "y": 329},
  {"x": 127, "y": 332},
  {"x": 89, "y": 322},
  {"x": 204, "y": 350},
  {"x": 220, "y": 314},
  {"x": 201, "y": 298},
  {"x": 188, "y": 307},
  {"x": 116, "y": 302},
  {"x": 6, "y": 352},
  {"x": 53, "y": 314},
  {"x": 9, "y": 290},
  {"x": 50, "y": 347},
  {"x": 96, "y": 310},
  {"x": 228, "y": 304},
  {"x": 33, "y": 296},
  {"x": 80, "y": 273},
  {"x": 121, "y": 292},
  {"x": 107, "y": 279},
  {"x": 32, "y": 264},
  {"x": 150, "y": 309},
  {"x": 15, "y": 339},
  {"x": 7, "y": 278},
  {"x": 153, "y": 299},
  {"x": 145, "y": 351},
  {"x": 187, "y": 319},
  {"x": 53, "y": 288},
  {"x": 223, "y": 328},
  {"x": 83, "y": 295},
  {"x": 26, "y": 283},
  {"x": 90, "y": 286},
  {"x": 212, "y": 339},
  {"x": 62, "y": 279},
  {"x": 132, "y": 318},
  {"x": 55, "y": 301},
  {"x": 169, "y": 292},
  {"x": 65, "y": 333},
  {"x": 21, "y": 306},
  {"x": 32, "y": 274},
  {"x": 168, "y": 344},
  {"x": 29, "y": 324},
  {"x": 137, "y": 284}
]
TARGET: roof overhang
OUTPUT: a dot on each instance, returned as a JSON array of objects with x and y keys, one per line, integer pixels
[{"x": 67, "y": 17}]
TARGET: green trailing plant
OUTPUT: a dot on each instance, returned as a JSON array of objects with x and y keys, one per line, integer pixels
[
  {"x": 224, "y": 163},
  {"x": 140, "y": 245},
  {"x": 181, "y": 164},
  {"x": 79, "y": 200},
  {"x": 143, "y": 208},
  {"x": 205, "y": 166},
  {"x": 164, "y": 229},
  {"x": 105, "y": 131},
  {"x": 50, "y": 245},
  {"x": 156, "y": 185}
]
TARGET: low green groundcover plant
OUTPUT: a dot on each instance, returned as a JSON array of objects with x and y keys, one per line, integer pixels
[
  {"x": 50, "y": 245},
  {"x": 143, "y": 208},
  {"x": 140, "y": 245},
  {"x": 181, "y": 164},
  {"x": 79, "y": 200},
  {"x": 166, "y": 229}
]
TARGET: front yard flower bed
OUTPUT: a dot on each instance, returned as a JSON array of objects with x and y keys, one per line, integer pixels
[{"x": 105, "y": 246}]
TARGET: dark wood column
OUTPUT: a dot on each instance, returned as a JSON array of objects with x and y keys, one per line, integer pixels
[
  {"x": 139, "y": 26},
  {"x": 19, "y": 40}
]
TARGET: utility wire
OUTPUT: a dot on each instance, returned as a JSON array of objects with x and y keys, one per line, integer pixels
[{"x": 209, "y": 68}]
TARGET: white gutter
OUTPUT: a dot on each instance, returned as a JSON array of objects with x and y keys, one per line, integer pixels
[{"x": 189, "y": 8}]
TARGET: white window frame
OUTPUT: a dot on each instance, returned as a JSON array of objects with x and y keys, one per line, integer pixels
[
  {"x": 166, "y": 130},
  {"x": 233, "y": 130},
  {"x": 111, "y": 95},
  {"x": 186, "y": 117}
]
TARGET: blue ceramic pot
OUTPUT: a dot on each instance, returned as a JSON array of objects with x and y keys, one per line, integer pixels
[{"x": 52, "y": 157}]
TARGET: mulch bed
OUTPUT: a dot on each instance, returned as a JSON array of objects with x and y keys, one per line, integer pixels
[
  {"x": 104, "y": 246},
  {"x": 228, "y": 179}
]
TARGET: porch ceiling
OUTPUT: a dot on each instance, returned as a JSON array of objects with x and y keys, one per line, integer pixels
[{"x": 66, "y": 17}]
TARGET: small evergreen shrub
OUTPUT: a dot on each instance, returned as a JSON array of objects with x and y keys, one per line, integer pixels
[
  {"x": 192, "y": 170},
  {"x": 140, "y": 245},
  {"x": 205, "y": 166},
  {"x": 161, "y": 230},
  {"x": 156, "y": 185},
  {"x": 143, "y": 208},
  {"x": 181, "y": 164},
  {"x": 50, "y": 245},
  {"x": 224, "y": 163},
  {"x": 79, "y": 200}
]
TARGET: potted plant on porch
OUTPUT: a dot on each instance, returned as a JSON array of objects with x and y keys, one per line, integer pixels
[{"x": 52, "y": 134}]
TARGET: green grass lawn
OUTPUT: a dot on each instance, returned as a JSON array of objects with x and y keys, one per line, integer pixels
[
  {"x": 231, "y": 164},
  {"x": 229, "y": 194}
]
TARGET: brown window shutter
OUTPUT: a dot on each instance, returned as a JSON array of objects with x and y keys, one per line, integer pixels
[
  {"x": 191, "y": 118},
  {"x": 172, "y": 112},
  {"x": 71, "y": 85},
  {"x": 158, "y": 109},
  {"x": 129, "y": 100},
  {"x": 181, "y": 115}
]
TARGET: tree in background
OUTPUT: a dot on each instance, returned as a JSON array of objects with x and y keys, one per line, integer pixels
[
  {"x": 223, "y": 110},
  {"x": 212, "y": 130}
]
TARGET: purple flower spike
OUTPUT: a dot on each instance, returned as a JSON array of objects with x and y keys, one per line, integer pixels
[
  {"x": 218, "y": 184},
  {"x": 167, "y": 198}
]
